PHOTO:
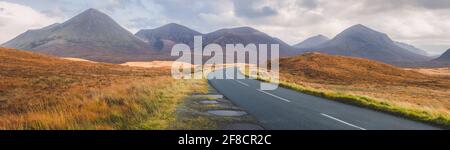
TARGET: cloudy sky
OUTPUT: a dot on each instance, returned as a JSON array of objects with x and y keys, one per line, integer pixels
[{"x": 422, "y": 23}]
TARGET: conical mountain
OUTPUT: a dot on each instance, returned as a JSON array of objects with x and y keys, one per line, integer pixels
[{"x": 90, "y": 35}]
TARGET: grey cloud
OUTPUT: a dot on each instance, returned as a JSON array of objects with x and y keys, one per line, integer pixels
[
  {"x": 382, "y": 5},
  {"x": 248, "y": 9},
  {"x": 310, "y": 4},
  {"x": 3, "y": 23},
  {"x": 141, "y": 23},
  {"x": 434, "y": 4},
  {"x": 185, "y": 9},
  {"x": 57, "y": 12}
]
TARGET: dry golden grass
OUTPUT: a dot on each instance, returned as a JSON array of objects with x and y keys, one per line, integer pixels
[
  {"x": 42, "y": 92},
  {"x": 422, "y": 96},
  {"x": 432, "y": 71},
  {"x": 152, "y": 64},
  {"x": 78, "y": 59}
]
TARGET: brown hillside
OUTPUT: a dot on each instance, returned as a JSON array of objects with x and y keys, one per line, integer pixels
[
  {"x": 43, "y": 92},
  {"x": 384, "y": 83},
  {"x": 324, "y": 68}
]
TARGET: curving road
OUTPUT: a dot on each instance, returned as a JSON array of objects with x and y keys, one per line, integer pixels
[{"x": 284, "y": 109}]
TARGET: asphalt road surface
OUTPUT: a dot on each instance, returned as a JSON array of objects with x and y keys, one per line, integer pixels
[{"x": 284, "y": 109}]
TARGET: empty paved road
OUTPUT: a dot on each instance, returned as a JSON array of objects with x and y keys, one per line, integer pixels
[{"x": 286, "y": 109}]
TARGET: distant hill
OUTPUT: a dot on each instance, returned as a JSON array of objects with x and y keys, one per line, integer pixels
[
  {"x": 445, "y": 57},
  {"x": 312, "y": 42},
  {"x": 413, "y": 49},
  {"x": 361, "y": 41},
  {"x": 170, "y": 33},
  {"x": 164, "y": 37},
  {"x": 90, "y": 35},
  {"x": 246, "y": 35},
  {"x": 441, "y": 61},
  {"x": 332, "y": 69}
]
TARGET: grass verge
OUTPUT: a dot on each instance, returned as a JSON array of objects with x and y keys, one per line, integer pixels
[
  {"x": 132, "y": 104},
  {"x": 39, "y": 92}
]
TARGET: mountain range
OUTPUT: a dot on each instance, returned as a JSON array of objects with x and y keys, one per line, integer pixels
[
  {"x": 93, "y": 35},
  {"x": 170, "y": 34},
  {"x": 361, "y": 41}
]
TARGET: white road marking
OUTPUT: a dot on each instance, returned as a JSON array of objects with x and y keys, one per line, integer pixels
[
  {"x": 240, "y": 82},
  {"x": 331, "y": 117},
  {"x": 274, "y": 95}
]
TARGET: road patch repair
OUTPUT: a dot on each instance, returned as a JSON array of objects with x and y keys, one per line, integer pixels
[
  {"x": 227, "y": 113},
  {"x": 209, "y": 102},
  {"x": 213, "y": 111}
]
